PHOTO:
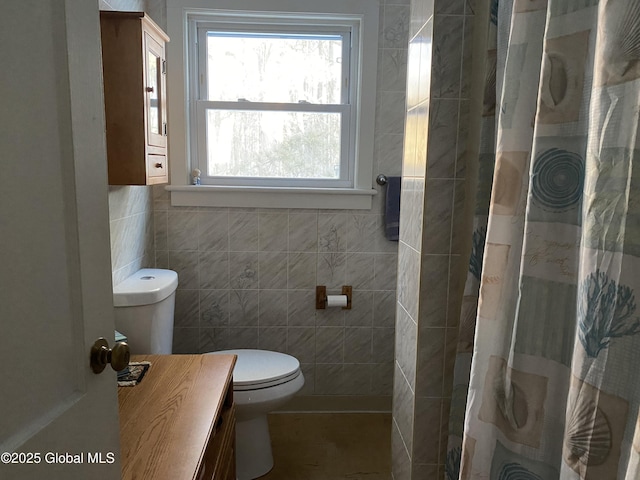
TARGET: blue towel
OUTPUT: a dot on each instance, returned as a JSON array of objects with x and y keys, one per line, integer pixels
[{"x": 392, "y": 209}]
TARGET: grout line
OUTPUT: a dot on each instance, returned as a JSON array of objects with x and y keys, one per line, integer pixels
[
  {"x": 406, "y": 380},
  {"x": 404, "y": 444}
]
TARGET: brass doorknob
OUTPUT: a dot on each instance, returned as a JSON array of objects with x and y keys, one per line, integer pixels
[{"x": 101, "y": 355}]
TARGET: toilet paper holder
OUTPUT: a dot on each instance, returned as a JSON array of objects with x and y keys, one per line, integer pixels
[{"x": 322, "y": 298}]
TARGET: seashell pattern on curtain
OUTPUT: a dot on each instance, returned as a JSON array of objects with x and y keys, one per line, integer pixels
[{"x": 546, "y": 385}]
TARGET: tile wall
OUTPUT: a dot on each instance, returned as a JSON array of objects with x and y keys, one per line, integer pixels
[
  {"x": 433, "y": 238},
  {"x": 131, "y": 224},
  {"x": 248, "y": 277}
]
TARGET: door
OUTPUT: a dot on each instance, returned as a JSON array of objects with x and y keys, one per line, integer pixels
[{"x": 55, "y": 292}]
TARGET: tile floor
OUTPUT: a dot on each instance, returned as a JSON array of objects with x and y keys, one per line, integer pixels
[{"x": 330, "y": 446}]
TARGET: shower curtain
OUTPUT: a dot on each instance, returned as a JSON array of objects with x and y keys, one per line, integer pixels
[{"x": 547, "y": 374}]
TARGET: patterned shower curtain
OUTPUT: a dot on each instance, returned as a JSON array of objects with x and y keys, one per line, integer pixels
[{"x": 547, "y": 376}]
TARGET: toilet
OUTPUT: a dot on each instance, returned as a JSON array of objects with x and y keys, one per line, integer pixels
[{"x": 262, "y": 380}]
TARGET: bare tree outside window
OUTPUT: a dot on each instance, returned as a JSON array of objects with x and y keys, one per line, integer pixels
[{"x": 276, "y": 141}]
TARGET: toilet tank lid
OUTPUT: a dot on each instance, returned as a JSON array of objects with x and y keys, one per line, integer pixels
[{"x": 145, "y": 287}]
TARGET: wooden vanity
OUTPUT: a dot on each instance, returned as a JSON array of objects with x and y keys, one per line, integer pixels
[{"x": 179, "y": 422}]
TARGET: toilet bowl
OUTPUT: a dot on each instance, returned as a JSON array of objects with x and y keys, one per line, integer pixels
[{"x": 262, "y": 382}]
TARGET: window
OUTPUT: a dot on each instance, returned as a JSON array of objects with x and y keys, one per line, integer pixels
[
  {"x": 272, "y": 100},
  {"x": 276, "y": 101}
]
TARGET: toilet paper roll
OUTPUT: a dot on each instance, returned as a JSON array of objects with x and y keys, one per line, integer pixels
[{"x": 336, "y": 300}]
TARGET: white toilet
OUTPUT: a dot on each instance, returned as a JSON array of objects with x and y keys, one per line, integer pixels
[{"x": 262, "y": 380}]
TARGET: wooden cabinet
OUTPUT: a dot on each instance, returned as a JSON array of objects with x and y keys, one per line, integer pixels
[
  {"x": 134, "y": 72},
  {"x": 219, "y": 462},
  {"x": 179, "y": 422}
]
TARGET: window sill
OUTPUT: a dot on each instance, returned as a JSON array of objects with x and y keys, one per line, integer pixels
[{"x": 270, "y": 197}]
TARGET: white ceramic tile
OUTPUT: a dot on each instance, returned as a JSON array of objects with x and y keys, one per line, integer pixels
[
  {"x": 273, "y": 308},
  {"x": 382, "y": 379},
  {"x": 361, "y": 313},
  {"x": 187, "y": 309},
  {"x": 213, "y": 230},
  {"x": 394, "y": 69},
  {"x": 244, "y": 308},
  {"x": 438, "y": 216},
  {"x": 214, "y": 270},
  {"x": 214, "y": 308},
  {"x": 390, "y": 112},
  {"x": 273, "y": 269},
  {"x": 330, "y": 345},
  {"x": 212, "y": 339},
  {"x": 385, "y": 269},
  {"x": 443, "y": 133},
  {"x": 244, "y": 270},
  {"x": 406, "y": 346},
  {"x": 302, "y": 270},
  {"x": 360, "y": 270},
  {"x": 161, "y": 228},
  {"x": 301, "y": 343},
  {"x": 396, "y": 26},
  {"x": 243, "y": 231},
  {"x": 243, "y": 337},
  {"x": 186, "y": 340},
  {"x": 408, "y": 279},
  {"x": 328, "y": 379},
  {"x": 356, "y": 379},
  {"x": 303, "y": 232},
  {"x": 403, "y": 405},
  {"x": 454, "y": 7},
  {"x": 447, "y": 56},
  {"x": 182, "y": 230},
  {"x": 301, "y": 310},
  {"x": 274, "y": 232},
  {"x": 434, "y": 286},
  {"x": 272, "y": 338},
  {"x": 331, "y": 270},
  {"x": 332, "y": 231},
  {"x": 185, "y": 263},
  {"x": 384, "y": 309},
  {"x": 358, "y": 345}
]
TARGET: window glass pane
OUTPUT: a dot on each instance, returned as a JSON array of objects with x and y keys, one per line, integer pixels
[
  {"x": 282, "y": 68},
  {"x": 153, "y": 86},
  {"x": 273, "y": 144}
]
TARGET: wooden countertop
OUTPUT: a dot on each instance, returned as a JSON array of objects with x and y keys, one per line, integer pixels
[{"x": 166, "y": 419}]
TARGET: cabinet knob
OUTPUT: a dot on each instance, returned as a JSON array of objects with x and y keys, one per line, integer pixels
[
  {"x": 158, "y": 165},
  {"x": 149, "y": 89}
]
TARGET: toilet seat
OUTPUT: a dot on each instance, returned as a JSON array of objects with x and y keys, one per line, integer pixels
[{"x": 259, "y": 369}]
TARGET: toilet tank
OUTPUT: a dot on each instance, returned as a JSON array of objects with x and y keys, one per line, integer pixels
[{"x": 144, "y": 306}]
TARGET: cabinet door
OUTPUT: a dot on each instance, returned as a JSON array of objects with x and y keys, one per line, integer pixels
[{"x": 155, "y": 103}]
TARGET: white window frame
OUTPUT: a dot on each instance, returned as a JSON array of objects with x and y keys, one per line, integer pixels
[
  {"x": 354, "y": 190},
  {"x": 347, "y": 28}
]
